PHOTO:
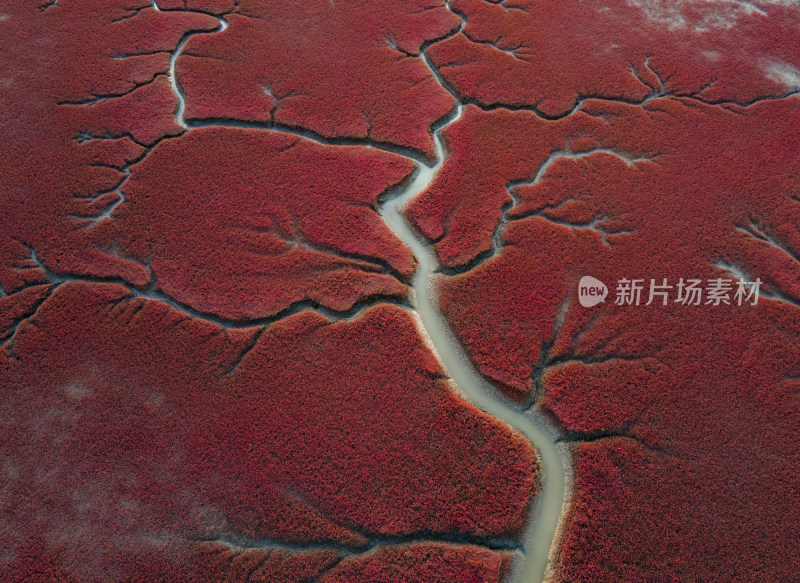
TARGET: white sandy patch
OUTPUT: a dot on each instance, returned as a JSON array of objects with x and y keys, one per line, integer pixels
[
  {"x": 783, "y": 73},
  {"x": 718, "y": 14},
  {"x": 76, "y": 389}
]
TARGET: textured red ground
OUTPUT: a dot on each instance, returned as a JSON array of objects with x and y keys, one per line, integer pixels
[
  {"x": 686, "y": 415},
  {"x": 133, "y": 433},
  {"x": 205, "y": 214},
  {"x": 140, "y": 440},
  {"x": 340, "y": 69},
  {"x": 157, "y": 425},
  {"x": 267, "y": 220},
  {"x": 61, "y": 55},
  {"x": 548, "y": 55}
]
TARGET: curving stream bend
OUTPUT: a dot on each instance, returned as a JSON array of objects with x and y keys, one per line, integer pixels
[
  {"x": 542, "y": 532},
  {"x": 542, "y": 535}
]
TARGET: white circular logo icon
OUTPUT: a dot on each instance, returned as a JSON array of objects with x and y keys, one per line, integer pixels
[{"x": 591, "y": 291}]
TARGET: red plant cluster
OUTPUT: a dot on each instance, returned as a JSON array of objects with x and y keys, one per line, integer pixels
[
  {"x": 345, "y": 70},
  {"x": 237, "y": 223},
  {"x": 423, "y": 563},
  {"x": 147, "y": 433},
  {"x": 686, "y": 415},
  {"x": 209, "y": 6},
  {"x": 548, "y": 55},
  {"x": 144, "y": 442},
  {"x": 85, "y": 92},
  {"x": 245, "y": 223},
  {"x": 135, "y": 433},
  {"x": 417, "y": 562}
]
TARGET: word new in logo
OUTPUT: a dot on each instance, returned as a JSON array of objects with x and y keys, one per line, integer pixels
[{"x": 591, "y": 291}]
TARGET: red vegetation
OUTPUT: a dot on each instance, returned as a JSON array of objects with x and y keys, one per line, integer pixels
[
  {"x": 547, "y": 55},
  {"x": 460, "y": 210},
  {"x": 209, "y": 6},
  {"x": 423, "y": 563},
  {"x": 139, "y": 443},
  {"x": 244, "y": 223},
  {"x": 340, "y": 69},
  {"x": 84, "y": 53},
  {"x": 691, "y": 411},
  {"x": 238, "y": 223},
  {"x": 136, "y": 432}
]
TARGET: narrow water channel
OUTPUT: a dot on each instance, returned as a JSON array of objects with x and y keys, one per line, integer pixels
[
  {"x": 544, "y": 523},
  {"x": 541, "y": 535}
]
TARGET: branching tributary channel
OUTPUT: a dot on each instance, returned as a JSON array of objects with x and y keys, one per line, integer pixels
[{"x": 542, "y": 533}]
